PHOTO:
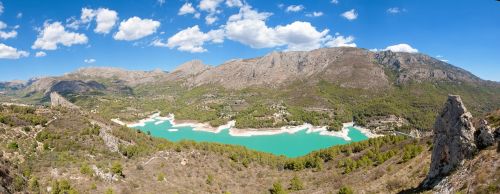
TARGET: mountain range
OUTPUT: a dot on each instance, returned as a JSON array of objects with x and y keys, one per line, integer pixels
[{"x": 347, "y": 67}]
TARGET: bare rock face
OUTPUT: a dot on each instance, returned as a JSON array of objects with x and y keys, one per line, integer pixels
[
  {"x": 484, "y": 136},
  {"x": 453, "y": 140},
  {"x": 57, "y": 100}
]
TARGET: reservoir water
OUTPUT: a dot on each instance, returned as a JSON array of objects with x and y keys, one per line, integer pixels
[{"x": 290, "y": 145}]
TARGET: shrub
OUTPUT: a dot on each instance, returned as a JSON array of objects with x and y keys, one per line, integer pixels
[
  {"x": 210, "y": 179},
  {"x": 345, "y": 190},
  {"x": 161, "y": 177},
  {"x": 277, "y": 189},
  {"x": 13, "y": 146},
  {"x": 296, "y": 184},
  {"x": 116, "y": 168},
  {"x": 86, "y": 170}
]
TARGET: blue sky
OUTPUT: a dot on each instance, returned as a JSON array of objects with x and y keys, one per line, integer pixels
[{"x": 52, "y": 37}]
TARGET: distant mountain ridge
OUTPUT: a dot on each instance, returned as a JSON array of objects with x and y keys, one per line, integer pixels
[{"x": 347, "y": 67}]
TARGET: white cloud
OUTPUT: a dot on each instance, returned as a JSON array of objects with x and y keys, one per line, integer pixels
[
  {"x": 300, "y": 36},
  {"x": 7, "y": 34},
  {"x": 209, "y": 5},
  {"x": 87, "y": 15},
  {"x": 340, "y": 41},
  {"x": 395, "y": 10},
  {"x": 210, "y": 19},
  {"x": 192, "y": 39},
  {"x": 441, "y": 58},
  {"x": 294, "y": 8},
  {"x": 335, "y": 1},
  {"x": 350, "y": 15},
  {"x": 136, "y": 28},
  {"x": 106, "y": 20},
  {"x": 187, "y": 8},
  {"x": 401, "y": 48},
  {"x": 19, "y": 15},
  {"x": 161, "y": 2},
  {"x": 315, "y": 14},
  {"x": 54, "y": 34},
  {"x": 234, "y": 3},
  {"x": 249, "y": 27},
  {"x": 89, "y": 61},
  {"x": 40, "y": 54},
  {"x": 8, "y": 52}
]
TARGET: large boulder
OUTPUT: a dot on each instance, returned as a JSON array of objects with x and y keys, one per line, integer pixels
[
  {"x": 484, "y": 136},
  {"x": 453, "y": 140}
]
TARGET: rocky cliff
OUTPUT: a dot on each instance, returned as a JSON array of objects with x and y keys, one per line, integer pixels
[
  {"x": 453, "y": 140},
  {"x": 456, "y": 144},
  {"x": 57, "y": 100}
]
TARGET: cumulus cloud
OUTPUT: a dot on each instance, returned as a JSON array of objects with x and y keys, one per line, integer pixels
[
  {"x": 187, "y": 8},
  {"x": 19, "y": 15},
  {"x": 209, "y": 5},
  {"x": 315, "y": 14},
  {"x": 7, "y": 34},
  {"x": 40, "y": 54},
  {"x": 89, "y": 61},
  {"x": 294, "y": 8},
  {"x": 136, "y": 28},
  {"x": 340, "y": 41},
  {"x": 105, "y": 19},
  {"x": 335, "y": 1},
  {"x": 401, "y": 48},
  {"x": 53, "y": 34},
  {"x": 234, "y": 3},
  {"x": 8, "y": 52},
  {"x": 249, "y": 27},
  {"x": 350, "y": 15},
  {"x": 210, "y": 19},
  {"x": 192, "y": 39}
]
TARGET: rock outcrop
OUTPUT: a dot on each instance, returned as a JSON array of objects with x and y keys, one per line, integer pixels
[
  {"x": 453, "y": 141},
  {"x": 57, "y": 100},
  {"x": 484, "y": 136}
]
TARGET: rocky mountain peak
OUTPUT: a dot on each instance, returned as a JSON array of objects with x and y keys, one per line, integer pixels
[
  {"x": 191, "y": 67},
  {"x": 453, "y": 140}
]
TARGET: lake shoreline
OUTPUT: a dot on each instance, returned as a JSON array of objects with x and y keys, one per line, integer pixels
[{"x": 248, "y": 132}]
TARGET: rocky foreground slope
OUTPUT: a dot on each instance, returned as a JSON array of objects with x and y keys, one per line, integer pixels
[{"x": 64, "y": 150}]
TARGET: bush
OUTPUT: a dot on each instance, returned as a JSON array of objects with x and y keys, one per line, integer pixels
[
  {"x": 345, "y": 190},
  {"x": 210, "y": 179},
  {"x": 62, "y": 187},
  {"x": 277, "y": 189},
  {"x": 296, "y": 184},
  {"x": 116, "y": 168},
  {"x": 34, "y": 185},
  {"x": 13, "y": 146},
  {"x": 161, "y": 177},
  {"x": 86, "y": 170}
]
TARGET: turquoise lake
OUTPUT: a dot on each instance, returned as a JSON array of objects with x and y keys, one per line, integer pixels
[{"x": 290, "y": 145}]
